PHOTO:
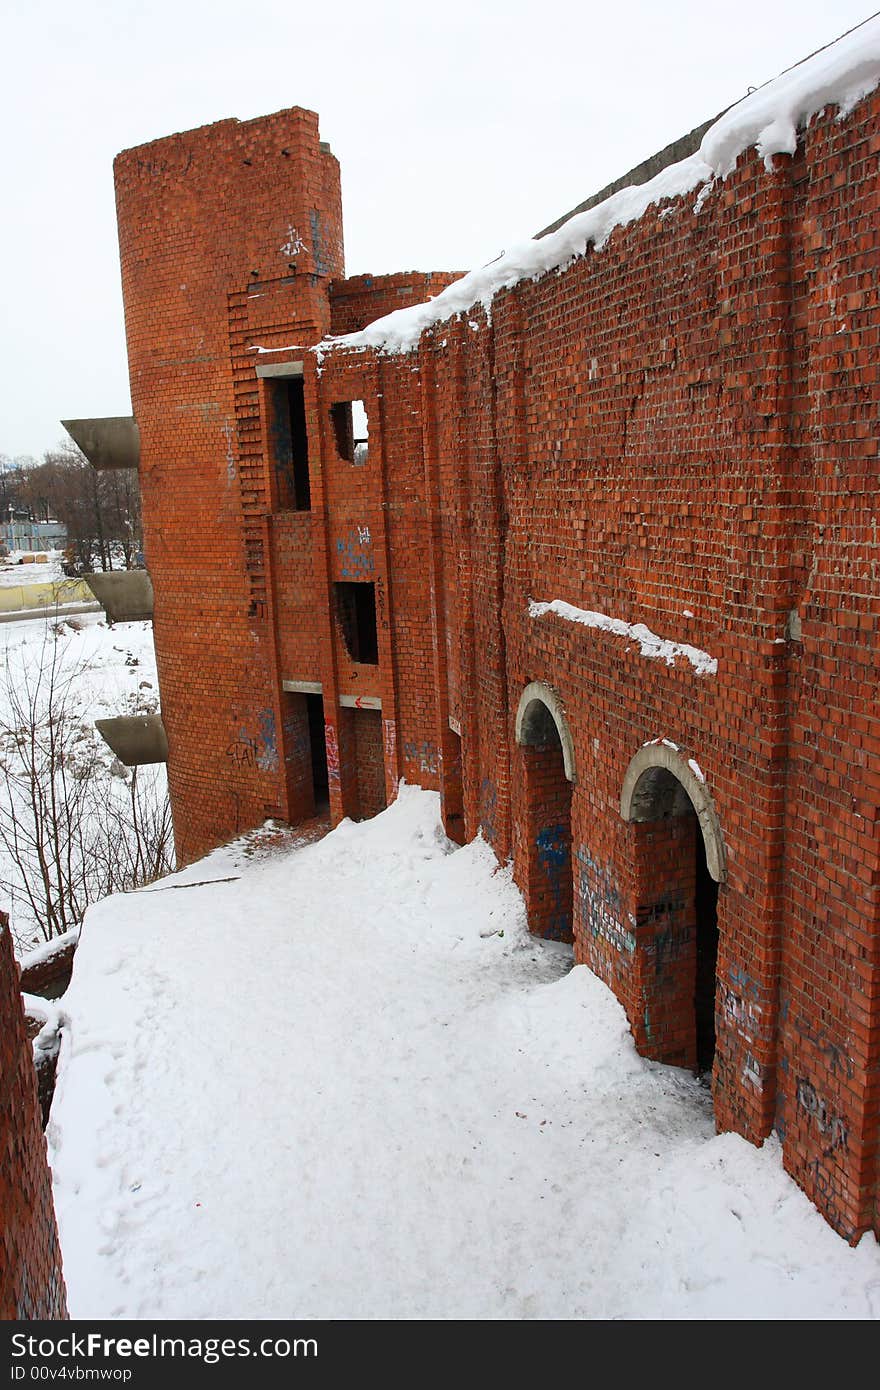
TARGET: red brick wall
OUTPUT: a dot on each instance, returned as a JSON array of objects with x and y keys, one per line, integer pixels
[
  {"x": 229, "y": 237},
  {"x": 678, "y": 431},
  {"x": 31, "y": 1282},
  {"x": 370, "y": 761},
  {"x": 360, "y": 299}
]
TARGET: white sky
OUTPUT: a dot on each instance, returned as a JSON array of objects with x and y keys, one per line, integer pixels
[{"x": 460, "y": 127}]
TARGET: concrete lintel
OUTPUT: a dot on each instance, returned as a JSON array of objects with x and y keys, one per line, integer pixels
[
  {"x": 125, "y": 595},
  {"x": 303, "y": 687},
  {"x": 135, "y": 738},
  {"x": 270, "y": 369},
  {"x": 360, "y": 701},
  {"x": 112, "y": 441}
]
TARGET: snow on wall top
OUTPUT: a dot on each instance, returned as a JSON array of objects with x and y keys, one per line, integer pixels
[
  {"x": 652, "y": 647},
  {"x": 768, "y": 119}
]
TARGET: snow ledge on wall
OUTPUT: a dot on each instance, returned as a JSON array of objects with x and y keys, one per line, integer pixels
[
  {"x": 767, "y": 119},
  {"x": 652, "y": 647}
]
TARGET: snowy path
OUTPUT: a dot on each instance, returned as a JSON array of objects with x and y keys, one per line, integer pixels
[{"x": 332, "y": 1088}]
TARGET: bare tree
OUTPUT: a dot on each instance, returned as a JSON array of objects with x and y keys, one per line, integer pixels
[
  {"x": 69, "y": 840},
  {"x": 102, "y": 511}
]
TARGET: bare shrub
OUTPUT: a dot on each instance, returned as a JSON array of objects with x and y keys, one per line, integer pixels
[{"x": 70, "y": 832}]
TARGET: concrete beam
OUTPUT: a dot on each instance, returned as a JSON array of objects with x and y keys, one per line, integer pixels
[
  {"x": 135, "y": 738},
  {"x": 303, "y": 687},
  {"x": 681, "y": 148},
  {"x": 110, "y": 442},
  {"x": 360, "y": 702},
  {"x": 274, "y": 369},
  {"x": 126, "y": 596}
]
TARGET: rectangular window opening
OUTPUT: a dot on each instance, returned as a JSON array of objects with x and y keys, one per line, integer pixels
[
  {"x": 290, "y": 446},
  {"x": 351, "y": 430},
  {"x": 356, "y": 612}
]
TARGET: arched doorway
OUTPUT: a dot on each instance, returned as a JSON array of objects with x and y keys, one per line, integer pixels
[
  {"x": 542, "y": 844},
  {"x": 677, "y": 864}
]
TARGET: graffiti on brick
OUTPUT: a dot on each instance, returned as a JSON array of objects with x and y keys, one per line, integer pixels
[
  {"x": 389, "y": 743},
  {"x": 669, "y": 945},
  {"x": 554, "y": 858},
  {"x": 356, "y": 561},
  {"x": 742, "y": 981},
  {"x": 839, "y": 1062},
  {"x": 332, "y": 752},
  {"x": 827, "y": 1121},
  {"x": 740, "y": 1014},
  {"x": 602, "y": 903},
  {"x": 380, "y": 603},
  {"x": 158, "y": 168},
  {"x": 261, "y": 751},
  {"x": 293, "y": 245},
  {"x": 243, "y": 750},
  {"x": 752, "y": 1074},
  {"x": 267, "y": 757},
  {"x": 297, "y": 744},
  {"x": 425, "y": 754}
]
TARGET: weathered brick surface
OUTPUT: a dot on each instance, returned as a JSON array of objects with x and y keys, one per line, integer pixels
[
  {"x": 360, "y": 299},
  {"x": 678, "y": 431},
  {"x": 31, "y": 1282}
]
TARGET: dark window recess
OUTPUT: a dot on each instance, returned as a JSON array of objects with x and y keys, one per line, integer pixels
[
  {"x": 350, "y": 430},
  {"x": 318, "y": 742},
  {"x": 356, "y": 611},
  {"x": 290, "y": 447}
]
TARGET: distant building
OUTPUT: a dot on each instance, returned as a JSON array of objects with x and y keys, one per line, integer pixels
[{"x": 18, "y": 532}]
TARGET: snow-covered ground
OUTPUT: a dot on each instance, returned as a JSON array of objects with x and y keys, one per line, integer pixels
[
  {"x": 101, "y": 671},
  {"x": 342, "y": 1081},
  {"x": 12, "y": 571}
]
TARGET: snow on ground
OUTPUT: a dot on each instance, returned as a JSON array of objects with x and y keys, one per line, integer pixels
[
  {"x": 102, "y": 671},
  {"x": 12, "y": 571},
  {"x": 344, "y": 1082}
]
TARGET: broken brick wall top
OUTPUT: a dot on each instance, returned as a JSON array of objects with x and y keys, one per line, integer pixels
[{"x": 355, "y": 302}]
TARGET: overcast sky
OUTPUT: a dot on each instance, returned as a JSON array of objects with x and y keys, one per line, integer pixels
[{"x": 460, "y": 126}]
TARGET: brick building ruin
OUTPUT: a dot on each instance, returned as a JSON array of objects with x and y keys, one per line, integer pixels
[{"x": 593, "y": 556}]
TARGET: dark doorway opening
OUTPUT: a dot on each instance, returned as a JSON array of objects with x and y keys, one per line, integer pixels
[
  {"x": 707, "y": 960},
  {"x": 545, "y": 870},
  {"x": 676, "y": 908},
  {"x": 318, "y": 743},
  {"x": 356, "y": 610}
]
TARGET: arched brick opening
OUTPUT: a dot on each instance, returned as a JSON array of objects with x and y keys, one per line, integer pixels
[
  {"x": 677, "y": 863},
  {"x": 543, "y": 842}
]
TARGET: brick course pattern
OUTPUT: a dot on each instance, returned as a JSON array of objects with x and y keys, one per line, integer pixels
[
  {"x": 31, "y": 1282},
  {"x": 679, "y": 431}
]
